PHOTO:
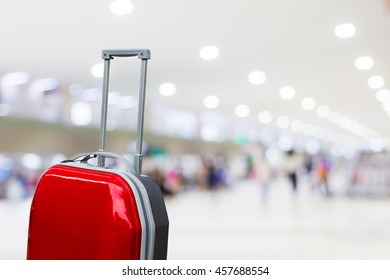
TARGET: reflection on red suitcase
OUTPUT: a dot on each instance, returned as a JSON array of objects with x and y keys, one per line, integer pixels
[{"x": 82, "y": 210}]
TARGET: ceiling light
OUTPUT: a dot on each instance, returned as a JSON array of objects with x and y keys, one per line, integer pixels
[
  {"x": 308, "y": 103},
  {"x": 209, "y": 52},
  {"x": 167, "y": 89},
  {"x": 287, "y": 93},
  {"x": 242, "y": 111},
  {"x": 256, "y": 77},
  {"x": 364, "y": 63},
  {"x": 383, "y": 95},
  {"x": 97, "y": 70},
  {"x": 264, "y": 117},
  {"x": 375, "y": 82},
  {"x": 345, "y": 30},
  {"x": 211, "y": 101},
  {"x": 121, "y": 7},
  {"x": 323, "y": 111}
]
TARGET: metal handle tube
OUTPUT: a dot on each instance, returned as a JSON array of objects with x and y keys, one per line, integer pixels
[
  {"x": 140, "y": 125},
  {"x": 103, "y": 122}
]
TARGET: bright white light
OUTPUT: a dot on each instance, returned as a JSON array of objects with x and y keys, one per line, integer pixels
[
  {"x": 312, "y": 147},
  {"x": 97, "y": 70},
  {"x": 31, "y": 161},
  {"x": 297, "y": 126},
  {"x": 15, "y": 79},
  {"x": 376, "y": 82},
  {"x": 167, "y": 89},
  {"x": 364, "y": 63},
  {"x": 283, "y": 122},
  {"x": 264, "y": 117},
  {"x": 345, "y": 30},
  {"x": 209, "y": 52},
  {"x": 4, "y": 110},
  {"x": 383, "y": 95},
  {"x": 242, "y": 111},
  {"x": 323, "y": 111},
  {"x": 257, "y": 77},
  {"x": 81, "y": 113},
  {"x": 211, "y": 101},
  {"x": 308, "y": 103},
  {"x": 376, "y": 145},
  {"x": 209, "y": 132},
  {"x": 285, "y": 143},
  {"x": 287, "y": 93},
  {"x": 121, "y": 7}
]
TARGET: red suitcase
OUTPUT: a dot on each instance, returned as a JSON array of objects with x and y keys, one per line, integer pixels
[{"x": 85, "y": 211}]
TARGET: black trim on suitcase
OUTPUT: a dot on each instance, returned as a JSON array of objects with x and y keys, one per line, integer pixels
[{"x": 160, "y": 217}]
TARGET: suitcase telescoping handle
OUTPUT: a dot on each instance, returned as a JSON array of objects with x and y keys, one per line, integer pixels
[{"x": 107, "y": 55}]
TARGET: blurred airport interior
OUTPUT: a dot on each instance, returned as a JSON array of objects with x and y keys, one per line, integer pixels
[{"x": 244, "y": 176}]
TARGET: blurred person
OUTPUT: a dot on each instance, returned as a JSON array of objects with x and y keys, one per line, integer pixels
[
  {"x": 293, "y": 162},
  {"x": 249, "y": 168},
  {"x": 322, "y": 169},
  {"x": 215, "y": 172},
  {"x": 263, "y": 175}
]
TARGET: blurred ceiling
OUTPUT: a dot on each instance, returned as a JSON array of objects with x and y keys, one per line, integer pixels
[{"x": 292, "y": 41}]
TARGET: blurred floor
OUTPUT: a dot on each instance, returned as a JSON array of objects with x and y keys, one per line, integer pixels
[{"x": 238, "y": 224}]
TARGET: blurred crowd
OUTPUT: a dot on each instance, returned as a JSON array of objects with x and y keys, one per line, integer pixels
[{"x": 364, "y": 174}]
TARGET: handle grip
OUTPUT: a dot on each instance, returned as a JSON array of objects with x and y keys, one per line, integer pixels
[
  {"x": 144, "y": 55},
  {"x": 141, "y": 53}
]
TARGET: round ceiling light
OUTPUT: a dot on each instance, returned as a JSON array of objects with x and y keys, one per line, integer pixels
[
  {"x": 308, "y": 103},
  {"x": 364, "y": 63},
  {"x": 383, "y": 95},
  {"x": 167, "y": 89},
  {"x": 345, "y": 30},
  {"x": 242, "y": 111},
  {"x": 97, "y": 70},
  {"x": 209, "y": 52},
  {"x": 256, "y": 77},
  {"x": 287, "y": 93},
  {"x": 211, "y": 101},
  {"x": 121, "y": 7},
  {"x": 376, "y": 82}
]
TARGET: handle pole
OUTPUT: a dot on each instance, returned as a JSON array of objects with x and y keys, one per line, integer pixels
[
  {"x": 141, "y": 114},
  {"x": 103, "y": 122}
]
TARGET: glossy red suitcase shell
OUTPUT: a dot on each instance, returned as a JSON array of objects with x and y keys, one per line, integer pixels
[
  {"x": 84, "y": 211},
  {"x": 79, "y": 213}
]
